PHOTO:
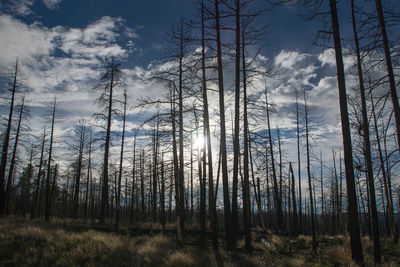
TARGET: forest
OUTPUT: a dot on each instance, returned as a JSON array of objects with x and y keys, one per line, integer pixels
[{"x": 209, "y": 172}]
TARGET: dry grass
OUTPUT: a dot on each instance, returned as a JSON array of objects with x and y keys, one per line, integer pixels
[
  {"x": 339, "y": 255},
  {"x": 68, "y": 243},
  {"x": 154, "y": 250},
  {"x": 179, "y": 259}
]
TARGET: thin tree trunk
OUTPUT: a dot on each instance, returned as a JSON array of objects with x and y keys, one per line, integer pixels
[
  {"x": 133, "y": 177},
  {"x": 277, "y": 200},
  {"x": 78, "y": 171},
  {"x": 48, "y": 200},
  {"x": 211, "y": 201},
  {"x": 14, "y": 155},
  {"x": 392, "y": 83},
  {"x": 295, "y": 221},
  {"x": 162, "y": 192},
  {"x": 236, "y": 144},
  {"x": 353, "y": 220},
  {"x": 246, "y": 152},
  {"x": 104, "y": 191},
  {"x": 225, "y": 180},
  {"x": 4, "y": 153},
  {"x": 120, "y": 164},
  {"x": 88, "y": 182},
  {"x": 322, "y": 194},
  {"x": 53, "y": 186},
  {"x": 310, "y": 187},
  {"x": 35, "y": 200},
  {"x": 367, "y": 146},
  {"x": 299, "y": 164}
]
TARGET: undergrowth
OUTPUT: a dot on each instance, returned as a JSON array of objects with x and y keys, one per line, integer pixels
[{"x": 67, "y": 242}]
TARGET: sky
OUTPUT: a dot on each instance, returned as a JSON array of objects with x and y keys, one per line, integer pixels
[{"x": 62, "y": 46}]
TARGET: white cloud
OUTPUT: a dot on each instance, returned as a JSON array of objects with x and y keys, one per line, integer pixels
[
  {"x": 327, "y": 57},
  {"x": 287, "y": 59},
  {"x": 19, "y": 7},
  {"x": 98, "y": 39},
  {"x": 61, "y": 61},
  {"x": 52, "y": 4},
  {"x": 25, "y": 41}
]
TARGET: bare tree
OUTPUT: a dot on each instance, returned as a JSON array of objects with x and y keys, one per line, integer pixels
[
  {"x": 4, "y": 153},
  {"x": 110, "y": 80},
  {"x": 367, "y": 144},
  {"x": 125, "y": 99},
  {"x": 48, "y": 199},
  {"x": 353, "y": 221}
]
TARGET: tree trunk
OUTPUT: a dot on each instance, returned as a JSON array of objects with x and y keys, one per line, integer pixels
[
  {"x": 277, "y": 200},
  {"x": 120, "y": 164},
  {"x": 4, "y": 153},
  {"x": 246, "y": 186},
  {"x": 48, "y": 200},
  {"x": 236, "y": 144},
  {"x": 353, "y": 220},
  {"x": 299, "y": 164},
  {"x": 104, "y": 191},
  {"x": 367, "y": 146},
  {"x": 225, "y": 180},
  {"x": 78, "y": 171},
  {"x": 310, "y": 187},
  {"x": 295, "y": 221},
  {"x": 89, "y": 176},
  {"x": 211, "y": 201},
  {"x": 14, "y": 155},
  {"x": 35, "y": 200}
]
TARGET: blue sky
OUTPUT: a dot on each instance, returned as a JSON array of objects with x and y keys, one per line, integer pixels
[{"x": 62, "y": 44}]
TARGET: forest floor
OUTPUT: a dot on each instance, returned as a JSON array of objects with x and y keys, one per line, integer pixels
[{"x": 66, "y": 242}]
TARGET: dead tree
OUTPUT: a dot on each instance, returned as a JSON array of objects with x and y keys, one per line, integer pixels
[
  {"x": 353, "y": 220},
  {"x": 110, "y": 80},
  {"x": 47, "y": 199},
  {"x": 4, "y": 153},
  {"x": 367, "y": 144},
  {"x": 118, "y": 202},
  {"x": 13, "y": 157}
]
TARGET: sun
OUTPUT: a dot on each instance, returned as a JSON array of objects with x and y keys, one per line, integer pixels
[{"x": 199, "y": 141}]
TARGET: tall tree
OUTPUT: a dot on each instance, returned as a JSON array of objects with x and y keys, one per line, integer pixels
[
  {"x": 295, "y": 220},
  {"x": 277, "y": 199},
  {"x": 110, "y": 80},
  {"x": 353, "y": 220},
  {"x": 207, "y": 134},
  {"x": 246, "y": 145},
  {"x": 13, "y": 157},
  {"x": 298, "y": 161},
  {"x": 89, "y": 175},
  {"x": 225, "y": 180},
  {"x": 393, "y": 92},
  {"x": 367, "y": 144},
  {"x": 35, "y": 201},
  {"x": 236, "y": 144},
  {"x": 48, "y": 199},
  {"x": 118, "y": 202},
  {"x": 80, "y": 133},
  {"x": 6, "y": 141},
  {"x": 310, "y": 186}
]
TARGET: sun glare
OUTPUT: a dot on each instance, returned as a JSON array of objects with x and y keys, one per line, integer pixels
[{"x": 200, "y": 141}]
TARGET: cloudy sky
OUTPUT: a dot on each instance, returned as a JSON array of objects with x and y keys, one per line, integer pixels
[{"x": 62, "y": 46}]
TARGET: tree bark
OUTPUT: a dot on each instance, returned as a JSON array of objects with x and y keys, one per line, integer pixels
[
  {"x": 4, "y": 153},
  {"x": 121, "y": 159},
  {"x": 353, "y": 220},
  {"x": 225, "y": 180},
  {"x": 48, "y": 200},
  {"x": 367, "y": 145},
  {"x": 14, "y": 155}
]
